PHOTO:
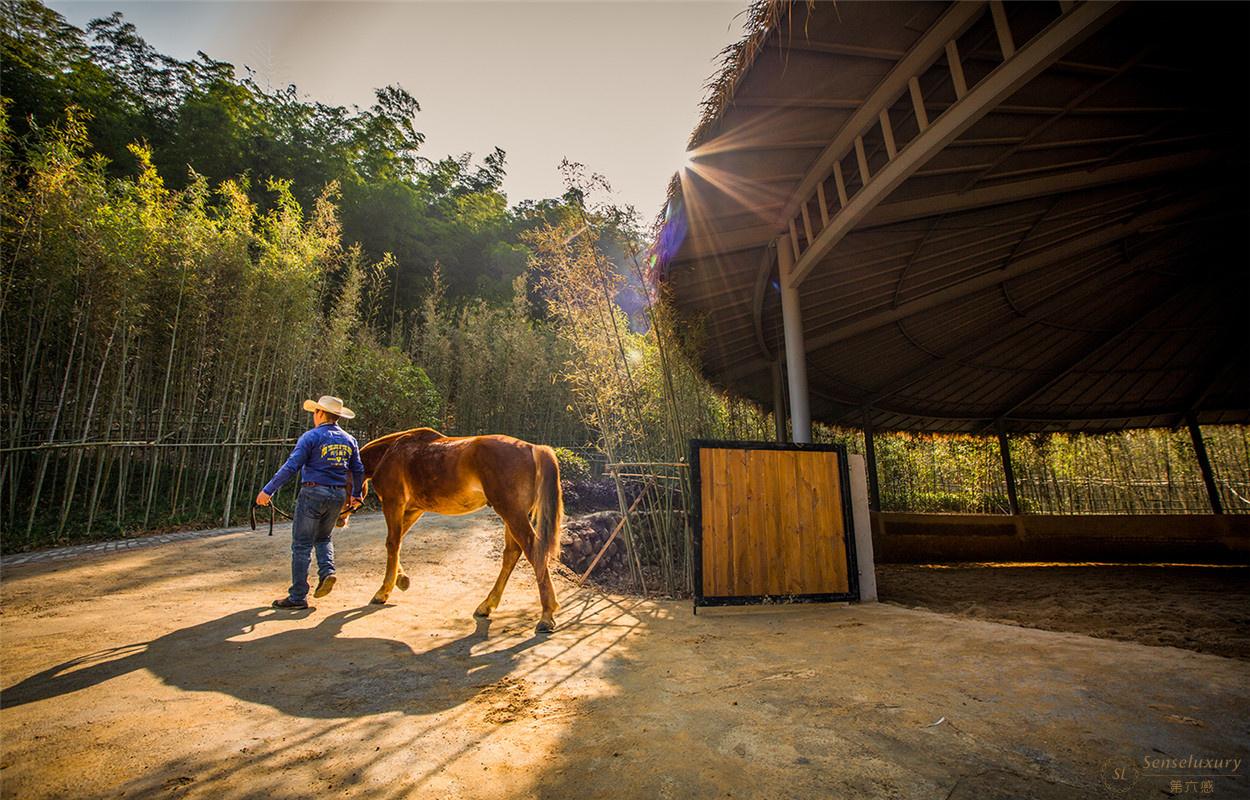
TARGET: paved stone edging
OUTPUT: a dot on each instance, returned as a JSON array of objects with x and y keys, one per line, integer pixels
[
  {"x": 116, "y": 545},
  {"x": 123, "y": 545}
]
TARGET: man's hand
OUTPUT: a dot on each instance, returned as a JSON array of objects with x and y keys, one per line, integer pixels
[
  {"x": 356, "y": 503},
  {"x": 262, "y": 499}
]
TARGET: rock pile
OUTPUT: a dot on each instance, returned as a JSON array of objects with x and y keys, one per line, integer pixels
[
  {"x": 584, "y": 536},
  {"x": 590, "y": 494}
]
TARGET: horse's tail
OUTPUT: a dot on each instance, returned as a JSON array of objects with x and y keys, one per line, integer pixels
[{"x": 549, "y": 505}]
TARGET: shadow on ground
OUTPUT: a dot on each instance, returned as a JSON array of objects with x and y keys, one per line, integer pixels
[
  {"x": 880, "y": 701},
  {"x": 629, "y": 698},
  {"x": 247, "y": 655}
]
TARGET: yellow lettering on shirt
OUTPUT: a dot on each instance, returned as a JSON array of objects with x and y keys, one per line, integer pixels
[{"x": 337, "y": 454}]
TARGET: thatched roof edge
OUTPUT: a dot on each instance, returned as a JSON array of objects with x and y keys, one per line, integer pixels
[{"x": 763, "y": 17}]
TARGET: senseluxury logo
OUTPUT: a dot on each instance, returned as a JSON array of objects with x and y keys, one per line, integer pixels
[
  {"x": 1119, "y": 775},
  {"x": 1173, "y": 775}
]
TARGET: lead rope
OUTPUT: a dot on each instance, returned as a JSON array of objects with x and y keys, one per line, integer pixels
[{"x": 273, "y": 510}]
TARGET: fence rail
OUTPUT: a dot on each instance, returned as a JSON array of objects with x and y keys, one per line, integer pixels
[
  {"x": 55, "y": 491},
  {"x": 140, "y": 444},
  {"x": 658, "y": 543}
]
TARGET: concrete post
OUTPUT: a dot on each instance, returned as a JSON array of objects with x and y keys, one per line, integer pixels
[
  {"x": 796, "y": 356},
  {"x": 1204, "y": 464},
  {"x": 861, "y": 523}
]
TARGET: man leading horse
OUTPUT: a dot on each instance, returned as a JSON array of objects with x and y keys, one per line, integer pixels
[{"x": 325, "y": 455}]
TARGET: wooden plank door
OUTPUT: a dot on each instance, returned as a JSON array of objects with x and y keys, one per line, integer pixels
[{"x": 773, "y": 523}]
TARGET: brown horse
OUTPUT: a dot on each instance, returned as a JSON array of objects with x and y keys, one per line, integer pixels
[{"x": 421, "y": 470}]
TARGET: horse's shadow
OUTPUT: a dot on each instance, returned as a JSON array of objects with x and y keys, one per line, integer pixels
[{"x": 304, "y": 672}]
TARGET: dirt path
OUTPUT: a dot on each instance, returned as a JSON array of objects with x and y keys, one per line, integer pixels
[{"x": 159, "y": 672}]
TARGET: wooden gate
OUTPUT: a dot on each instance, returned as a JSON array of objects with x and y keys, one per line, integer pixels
[{"x": 772, "y": 523}]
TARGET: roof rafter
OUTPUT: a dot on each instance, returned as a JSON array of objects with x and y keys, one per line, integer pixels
[
  {"x": 1048, "y": 124},
  {"x": 837, "y": 49},
  {"x": 1027, "y": 62},
  {"x": 902, "y": 211},
  {"x": 1023, "y": 266},
  {"x": 1080, "y": 353},
  {"x": 975, "y": 343},
  {"x": 731, "y": 241},
  {"x": 927, "y": 50},
  {"x": 1089, "y": 192}
]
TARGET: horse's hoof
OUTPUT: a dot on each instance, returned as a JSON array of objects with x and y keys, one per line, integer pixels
[
  {"x": 402, "y": 583},
  {"x": 378, "y": 601},
  {"x": 545, "y": 626},
  {"x": 480, "y": 614}
]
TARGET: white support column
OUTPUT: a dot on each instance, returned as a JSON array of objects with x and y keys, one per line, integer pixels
[
  {"x": 796, "y": 353},
  {"x": 861, "y": 520}
]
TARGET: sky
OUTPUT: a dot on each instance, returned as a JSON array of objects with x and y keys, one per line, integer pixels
[{"x": 614, "y": 85}]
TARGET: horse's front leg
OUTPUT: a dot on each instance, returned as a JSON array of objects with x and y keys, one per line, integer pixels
[
  {"x": 511, "y": 554},
  {"x": 397, "y": 524}
]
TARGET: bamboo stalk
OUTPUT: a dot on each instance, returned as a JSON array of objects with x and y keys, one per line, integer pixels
[
  {"x": 234, "y": 465},
  {"x": 169, "y": 373},
  {"x": 43, "y": 464},
  {"x": 86, "y": 428}
]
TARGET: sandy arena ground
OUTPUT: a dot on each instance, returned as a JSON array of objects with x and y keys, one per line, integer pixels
[
  {"x": 161, "y": 673},
  {"x": 1206, "y": 609}
]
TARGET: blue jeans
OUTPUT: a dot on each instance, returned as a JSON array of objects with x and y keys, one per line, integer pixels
[{"x": 316, "y": 511}]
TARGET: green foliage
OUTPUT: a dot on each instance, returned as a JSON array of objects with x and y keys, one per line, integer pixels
[
  {"x": 1126, "y": 472},
  {"x": 133, "y": 312},
  {"x": 162, "y": 302},
  {"x": 572, "y": 466},
  {"x": 394, "y": 393},
  {"x": 641, "y": 391},
  {"x": 930, "y": 473},
  {"x": 198, "y": 118}
]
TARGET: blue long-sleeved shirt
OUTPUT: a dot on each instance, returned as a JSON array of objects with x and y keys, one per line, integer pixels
[{"x": 326, "y": 454}]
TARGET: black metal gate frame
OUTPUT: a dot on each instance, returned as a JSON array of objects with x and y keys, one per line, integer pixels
[{"x": 696, "y": 488}]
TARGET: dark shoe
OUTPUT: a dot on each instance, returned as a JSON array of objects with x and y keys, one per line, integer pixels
[
  {"x": 324, "y": 586},
  {"x": 287, "y": 602}
]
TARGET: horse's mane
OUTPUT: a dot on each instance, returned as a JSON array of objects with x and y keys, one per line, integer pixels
[{"x": 391, "y": 437}]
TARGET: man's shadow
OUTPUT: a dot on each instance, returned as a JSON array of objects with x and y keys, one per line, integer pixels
[{"x": 305, "y": 672}]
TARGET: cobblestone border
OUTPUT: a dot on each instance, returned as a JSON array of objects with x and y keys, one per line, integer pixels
[
  {"x": 117, "y": 545},
  {"x": 139, "y": 542}
]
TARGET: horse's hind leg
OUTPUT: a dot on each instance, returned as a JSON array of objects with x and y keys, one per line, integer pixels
[
  {"x": 520, "y": 523},
  {"x": 511, "y": 554},
  {"x": 398, "y": 521}
]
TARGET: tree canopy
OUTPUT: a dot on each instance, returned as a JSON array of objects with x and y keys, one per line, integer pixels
[{"x": 207, "y": 118}]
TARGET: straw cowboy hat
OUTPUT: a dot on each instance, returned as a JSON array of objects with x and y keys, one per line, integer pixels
[{"x": 330, "y": 404}]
